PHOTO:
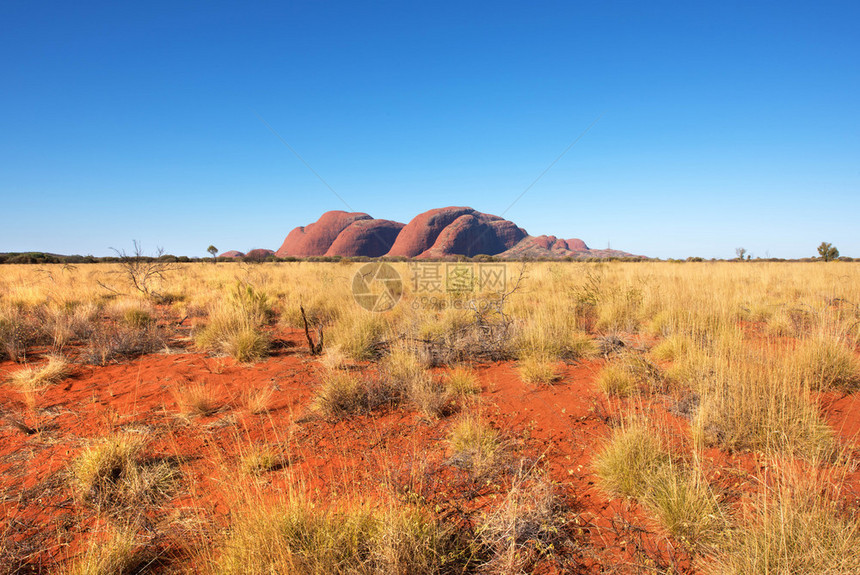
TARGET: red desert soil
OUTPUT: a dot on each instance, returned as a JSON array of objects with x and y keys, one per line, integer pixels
[{"x": 395, "y": 451}]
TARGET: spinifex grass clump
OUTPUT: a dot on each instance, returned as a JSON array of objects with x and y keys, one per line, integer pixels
[
  {"x": 538, "y": 370},
  {"x": 32, "y": 378},
  {"x": 296, "y": 537},
  {"x": 475, "y": 445},
  {"x": 553, "y": 334},
  {"x": 826, "y": 363},
  {"x": 359, "y": 333},
  {"x": 196, "y": 399},
  {"x": 756, "y": 402},
  {"x": 113, "y": 473},
  {"x": 342, "y": 393},
  {"x": 462, "y": 382},
  {"x": 614, "y": 380},
  {"x": 637, "y": 464},
  {"x": 235, "y": 326},
  {"x": 260, "y": 459},
  {"x": 628, "y": 374},
  {"x": 407, "y": 378},
  {"x": 630, "y": 459},
  {"x": 793, "y": 528},
  {"x": 120, "y": 552}
]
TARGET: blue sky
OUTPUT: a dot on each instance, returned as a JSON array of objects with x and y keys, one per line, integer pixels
[{"x": 722, "y": 125}]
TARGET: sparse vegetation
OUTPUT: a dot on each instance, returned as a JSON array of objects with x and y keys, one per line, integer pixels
[{"x": 387, "y": 452}]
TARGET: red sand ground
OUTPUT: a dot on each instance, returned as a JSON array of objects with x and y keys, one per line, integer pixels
[{"x": 397, "y": 450}]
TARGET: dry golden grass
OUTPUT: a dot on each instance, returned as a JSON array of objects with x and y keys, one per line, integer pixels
[
  {"x": 32, "y": 379},
  {"x": 294, "y": 536},
  {"x": 538, "y": 370},
  {"x": 795, "y": 526},
  {"x": 258, "y": 400},
  {"x": 475, "y": 445},
  {"x": 747, "y": 346},
  {"x": 462, "y": 382},
  {"x": 112, "y": 473},
  {"x": 120, "y": 553},
  {"x": 195, "y": 399}
]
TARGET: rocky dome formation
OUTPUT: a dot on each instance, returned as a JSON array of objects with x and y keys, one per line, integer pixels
[
  {"x": 232, "y": 254},
  {"x": 370, "y": 238},
  {"x": 259, "y": 254},
  {"x": 315, "y": 239},
  {"x": 456, "y": 231},
  {"x": 550, "y": 247}
]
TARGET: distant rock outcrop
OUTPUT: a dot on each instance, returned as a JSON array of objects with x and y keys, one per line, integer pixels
[
  {"x": 455, "y": 231},
  {"x": 232, "y": 254},
  {"x": 259, "y": 254},
  {"x": 315, "y": 239},
  {"x": 440, "y": 233},
  {"x": 550, "y": 247}
]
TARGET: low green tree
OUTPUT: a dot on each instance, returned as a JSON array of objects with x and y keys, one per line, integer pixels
[
  {"x": 212, "y": 251},
  {"x": 828, "y": 252}
]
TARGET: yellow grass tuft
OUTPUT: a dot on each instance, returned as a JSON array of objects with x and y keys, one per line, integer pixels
[
  {"x": 32, "y": 379},
  {"x": 538, "y": 370}
]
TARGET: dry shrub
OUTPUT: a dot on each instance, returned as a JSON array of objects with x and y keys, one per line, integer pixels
[
  {"x": 111, "y": 340},
  {"x": 68, "y": 323},
  {"x": 343, "y": 393},
  {"x": 19, "y": 329},
  {"x": 458, "y": 335},
  {"x": 529, "y": 525}
]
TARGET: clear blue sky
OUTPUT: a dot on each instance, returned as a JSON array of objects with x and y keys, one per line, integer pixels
[{"x": 721, "y": 125}]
